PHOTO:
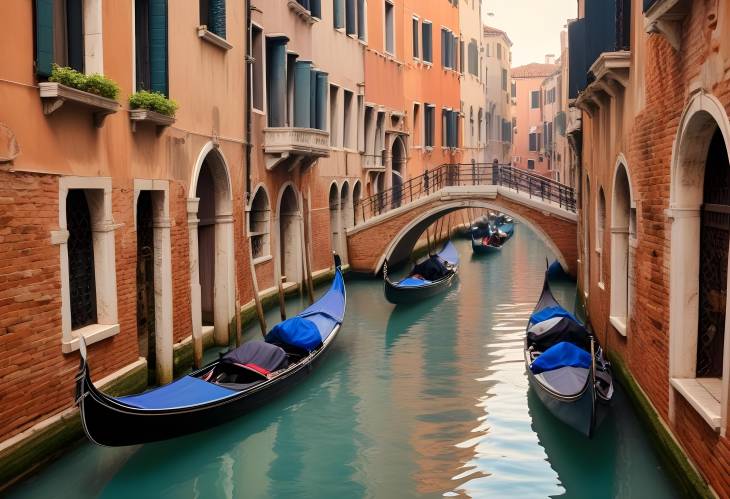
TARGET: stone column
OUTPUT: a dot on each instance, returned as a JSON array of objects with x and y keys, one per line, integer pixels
[
  {"x": 163, "y": 300},
  {"x": 224, "y": 291},
  {"x": 195, "y": 305}
]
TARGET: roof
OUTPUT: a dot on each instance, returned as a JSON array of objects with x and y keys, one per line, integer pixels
[
  {"x": 534, "y": 70},
  {"x": 490, "y": 31}
]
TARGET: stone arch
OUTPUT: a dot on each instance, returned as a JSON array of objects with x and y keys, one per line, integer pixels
[
  {"x": 623, "y": 230},
  {"x": 402, "y": 244},
  {"x": 398, "y": 162},
  {"x": 289, "y": 250},
  {"x": 703, "y": 121},
  {"x": 210, "y": 221},
  {"x": 333, "y": 202},
  {"x": 345, "y": 218},
  {"x": 259, "y": 222},
  {"x": 356, "y": 198}
]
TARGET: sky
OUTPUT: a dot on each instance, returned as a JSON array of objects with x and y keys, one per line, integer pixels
[{"x": 533, "y": 25}]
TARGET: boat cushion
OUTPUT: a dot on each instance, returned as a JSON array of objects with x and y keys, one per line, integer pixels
[
  {"x": 259, "y": 353},
  {"x": 565, "y": 381},
  {"x": 561, "y": 355},
  {"x": 549, "y": 313},
  {"x": 184, "y": 392},
  {"x": 547, "y": 333},
  {"x": 410, "y": 282},
  {"x": 297, "y": 332}
]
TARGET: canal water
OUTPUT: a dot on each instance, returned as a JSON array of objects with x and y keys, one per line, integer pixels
[{"x": 422, "y": 401}]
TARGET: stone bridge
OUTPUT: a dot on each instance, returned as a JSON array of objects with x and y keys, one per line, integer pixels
[{"x": 545, "y": 206}]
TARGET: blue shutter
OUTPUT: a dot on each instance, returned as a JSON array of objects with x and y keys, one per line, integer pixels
[
  {"x": 337, "y": 8},
  {"x": 217, "y": 17},
  {"x": 302, "y": 93},
  {"x": 276, "y": 80},
  {"x": 315, "y": 8},
  {"x": 350, "y": 17},
  {"x": 313, "y": 98},
  {"x": 322, "y": 89},
  {"x": 43, "y": 37},
  {"x": 360, "y": 19},
  {"x": 158, "y": 45},
  {"x": 426, "y": 36}
]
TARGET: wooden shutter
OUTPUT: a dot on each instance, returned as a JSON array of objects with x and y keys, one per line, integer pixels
[
  {"x": 158, "y": 45},
  {"x": 43, "y": 37}
]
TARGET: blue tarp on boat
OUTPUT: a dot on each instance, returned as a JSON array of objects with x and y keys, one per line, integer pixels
[
  {"x": 413, "y": 282},
  {"x": 549, "y": 313},
  {"x": 297, "y": 332},
  {"x": 329, "y": 310},
  {"x": 183, "y": 392},
  {"x": 561, "y": 354}
]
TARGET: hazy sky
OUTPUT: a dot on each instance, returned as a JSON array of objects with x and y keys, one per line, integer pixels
[{"x": 533, "y": 25}]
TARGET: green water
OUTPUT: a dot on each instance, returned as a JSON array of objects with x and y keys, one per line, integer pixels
[{"x": 423, "y": 401}]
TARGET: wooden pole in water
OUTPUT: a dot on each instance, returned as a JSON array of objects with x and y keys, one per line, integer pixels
[
  {"x": 255, "y": 285},
  {"x": 305, "y": 254},
  {"x": 282, "y": 305}
]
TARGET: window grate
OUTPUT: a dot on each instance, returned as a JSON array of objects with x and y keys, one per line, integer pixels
[{"x": 80, "y": 260}]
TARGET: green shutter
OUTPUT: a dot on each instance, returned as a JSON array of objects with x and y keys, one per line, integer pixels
[
  {"x": 43, "y": 37},
  {"x": 217, "y": 17},
  {"x": 158, "y": 45}
]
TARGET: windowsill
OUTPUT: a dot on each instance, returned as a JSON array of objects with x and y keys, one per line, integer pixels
[
  {"x": 427, "y": 64},
  {"x": 92, "y": 333},
  {"x": 258, "y": 111},
  {"x": 213, "y": 39},
  {"x": 261, "y": 259},
  {"x": 619, "y": 323},
  {"x": 704, "y": 395}
]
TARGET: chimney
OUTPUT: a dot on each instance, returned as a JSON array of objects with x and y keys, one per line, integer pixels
[{"x": 549, "y": 58}]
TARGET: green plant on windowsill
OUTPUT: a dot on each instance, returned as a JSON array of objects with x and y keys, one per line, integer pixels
[
  {"x": 94, "y": 83},
  {"x": 153, "y": 101}
]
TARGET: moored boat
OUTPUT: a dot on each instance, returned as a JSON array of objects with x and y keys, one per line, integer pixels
[
  {"x": 565, "y": 364},
  {"x": 435, "y": 274},
  {"x": 239, "y": 381},
  {"x": 493, "y": 240}
]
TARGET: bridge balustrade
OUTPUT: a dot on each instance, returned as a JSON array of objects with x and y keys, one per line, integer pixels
[{"x": 465, "y": 174}]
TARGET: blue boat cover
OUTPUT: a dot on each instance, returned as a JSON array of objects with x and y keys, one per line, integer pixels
[
  {"x": 413, "y": 282},
  {"x": 449, "y": 253},
  {"x": 263, "y": 354},
  {"x": 549, "y": 313},
  {"x": 561, "y": 354},
  {"x": 184, "y": 392},
  {"x": 331, "y": 304},
  {"x": 297, "y": 332}
]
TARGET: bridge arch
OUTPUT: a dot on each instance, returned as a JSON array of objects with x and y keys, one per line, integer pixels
[{"x": 403, "y": 243}]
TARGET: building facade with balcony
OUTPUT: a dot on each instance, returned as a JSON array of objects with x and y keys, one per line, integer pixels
[
  {"x": 498, "y": 119},
  {"x": 653, "y": 139}
]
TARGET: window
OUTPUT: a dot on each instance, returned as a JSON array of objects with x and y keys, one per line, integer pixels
[
  {"x": 334, "y": 125},
  {"x": 414, "y": 26},
  {"x": 471, "y": 125},
  {"x": 350, "y": 18},
  {"x": 504, "y": 80},
  {"x": 338, "y": 15},
  {"x": 514, "y": 89},
  {"x": 449, "y": 128},
  {"x": 461, "y": 56},
  {"x": 488, "y": 47},
  {"x": 389, "y": 28},
  {"x": 601, "y": 223},
  {"x": 80, "y": 260},
  {"x": 361, "y": 20},
  {"x": 427, "y": 41},
  {"x": 530, "y": 164},
  {"x": 68, "y": 34},
  {"x": 257, "y": 68},
  {"x": 429, "y": 125},
  {"x": 360, "y": 112},
  {"x": 347, "y": 99},
  {"x": 535, "y": 99},
  {"x": 369, "y": 136},
  {"x": 213, "y": 16},
  {"x": 258, "y": 225},
  {"x": 621, "y": 231},
  {"x": 499, "y": 51},
  {"x": 473, "y": 58},
  {"x": 416, "y": 125},
  {"x": 448, "y": 49},
  {"x": 276, "y": 81},
  {"x": 533, "y": 141}
]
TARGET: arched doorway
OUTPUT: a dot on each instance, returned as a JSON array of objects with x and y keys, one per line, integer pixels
[
  {"x": 290, "y": 240},
  {"x": 212, "y": 263},
  {"x": 345, "y": 219},
  {"x": 334, "y": 208},
  {"x": 398, "y": 161},
  {"x": 258, "y": 224},
  {"x": 622, "y": 227},
  {"x": 356, "y": 197}
]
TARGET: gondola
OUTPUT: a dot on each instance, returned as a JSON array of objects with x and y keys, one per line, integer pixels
[
  {"x": 565, "y": 364},
  {"x": 422, "y": 282},
  {"x": 490, "y": 243},
  {"x": 237, "y": 382}
]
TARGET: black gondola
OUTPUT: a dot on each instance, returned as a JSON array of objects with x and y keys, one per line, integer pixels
[
  {"x": 493, "y": 240},
  {"x": 239, "y": 381},
  {"x": 565, "y": 365},
  {"x": 433, "y": 275}
]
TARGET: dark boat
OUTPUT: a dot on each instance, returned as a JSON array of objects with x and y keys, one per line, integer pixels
[
  {"x": 239, "y": 381},
  {"x": 493, "y": 240},
  {"x": 435, "y": 274},
  {"x": 565, "y": 365}
]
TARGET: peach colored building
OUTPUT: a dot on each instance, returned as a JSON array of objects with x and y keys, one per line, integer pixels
[
  {"x": 474, "y": 73},
  {"x": 498, "y": 116},
  {"x": 528, "y": 115}
]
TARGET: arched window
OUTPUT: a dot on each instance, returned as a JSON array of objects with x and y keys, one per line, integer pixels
[
  {"x": 621, "y": 231},
  {"x": 356, "y": 197},
  {"x": 334, "y": 205},
  {"x": 600, "y": 225},
  {"x": 471, "y": 124},
  {"x": 586, "y": 237},
  {"x": 80, "y": 260},
  {"x": 481, "y": 126},
  {"x": 259, "y": 218}
]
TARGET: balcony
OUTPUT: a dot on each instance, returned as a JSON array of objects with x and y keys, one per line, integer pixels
[
  {"x": 665, "y": 17},
  {"x": 294, "y": 145}
]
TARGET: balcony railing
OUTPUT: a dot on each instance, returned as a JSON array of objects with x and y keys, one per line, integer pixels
[
  {"x": 283, "y": 143},
  {"x": 449, "y": 175}
]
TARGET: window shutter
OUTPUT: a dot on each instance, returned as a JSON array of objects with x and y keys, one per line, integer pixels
[
  {"x": 337, "y": 19},
  {"x": 350, "y": 17},
  {"x": 158, "y": 45},
  {"x": 217, "y": 17},
  {"x": 315, "y": 8},
  {"x": 43, "y": 37}
]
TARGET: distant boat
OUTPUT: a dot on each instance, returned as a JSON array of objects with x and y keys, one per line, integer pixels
[
  {"x": 239, "y": 381},
  {"x": 494, "y": 239},
  {"x": 565, "y": 364},
  {"x": 433, "y": 275}
]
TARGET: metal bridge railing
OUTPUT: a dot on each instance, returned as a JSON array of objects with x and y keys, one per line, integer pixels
[{"x": 448, "y": 175}]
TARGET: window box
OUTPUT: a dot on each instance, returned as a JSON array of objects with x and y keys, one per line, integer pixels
[
  {"x": 212, "y": 38},
  {"x": 302, "y": 12},
  {"x": 55, "y": 95},
  {"x": 146, "y": 116},
  {"x": 703, "y": 394}
]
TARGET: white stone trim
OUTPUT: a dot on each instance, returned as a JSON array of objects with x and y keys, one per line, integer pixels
[
  {"x": 705, "y": 403},
  {"x": 93, "y": 37},
  {"x": 103, "y": 227}
]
